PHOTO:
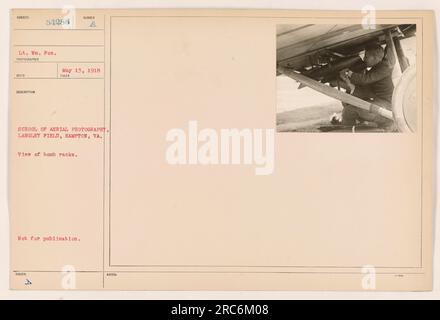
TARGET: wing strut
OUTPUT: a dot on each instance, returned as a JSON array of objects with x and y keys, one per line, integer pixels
[{"x": 334, "y": 93}]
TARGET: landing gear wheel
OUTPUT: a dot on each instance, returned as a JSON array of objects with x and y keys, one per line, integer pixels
[{"x": 405, "y": 101}]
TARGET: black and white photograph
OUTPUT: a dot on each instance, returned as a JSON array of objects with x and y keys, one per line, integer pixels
[{"x": 346, "y": 78}]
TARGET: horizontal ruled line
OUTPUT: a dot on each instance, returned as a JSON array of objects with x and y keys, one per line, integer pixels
[
  {"x": 58, "y": 61},
  {"x": 177, "y": 271},
  {"x": 58, "y": 78},
  {"x": 58, "y": 45},
  {"x": 30, "y": 29}
]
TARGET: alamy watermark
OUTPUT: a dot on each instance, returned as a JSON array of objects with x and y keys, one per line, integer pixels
[
  {"x": 368, "y": 281},
  {"x": 369, "y": 17},
  {"x": 68, "y": 278},
  {"x": 221, "y": 147}
]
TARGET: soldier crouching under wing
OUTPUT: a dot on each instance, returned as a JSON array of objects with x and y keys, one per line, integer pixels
[{"x": 374, "y": 85}]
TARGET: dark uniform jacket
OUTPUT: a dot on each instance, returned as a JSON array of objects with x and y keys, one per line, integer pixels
[{"x": 377, "y": 79}]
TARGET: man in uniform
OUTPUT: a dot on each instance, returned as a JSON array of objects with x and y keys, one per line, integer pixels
[{"x": 374, "y": 85}]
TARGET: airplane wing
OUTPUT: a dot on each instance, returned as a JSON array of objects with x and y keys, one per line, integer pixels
[{"x": 304, "y": 46}]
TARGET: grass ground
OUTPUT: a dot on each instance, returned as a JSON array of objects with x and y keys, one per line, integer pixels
[{"x": 307, "y": 119}]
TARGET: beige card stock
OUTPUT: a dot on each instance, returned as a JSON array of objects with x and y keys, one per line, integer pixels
[{"x": 162, "y": 150}]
